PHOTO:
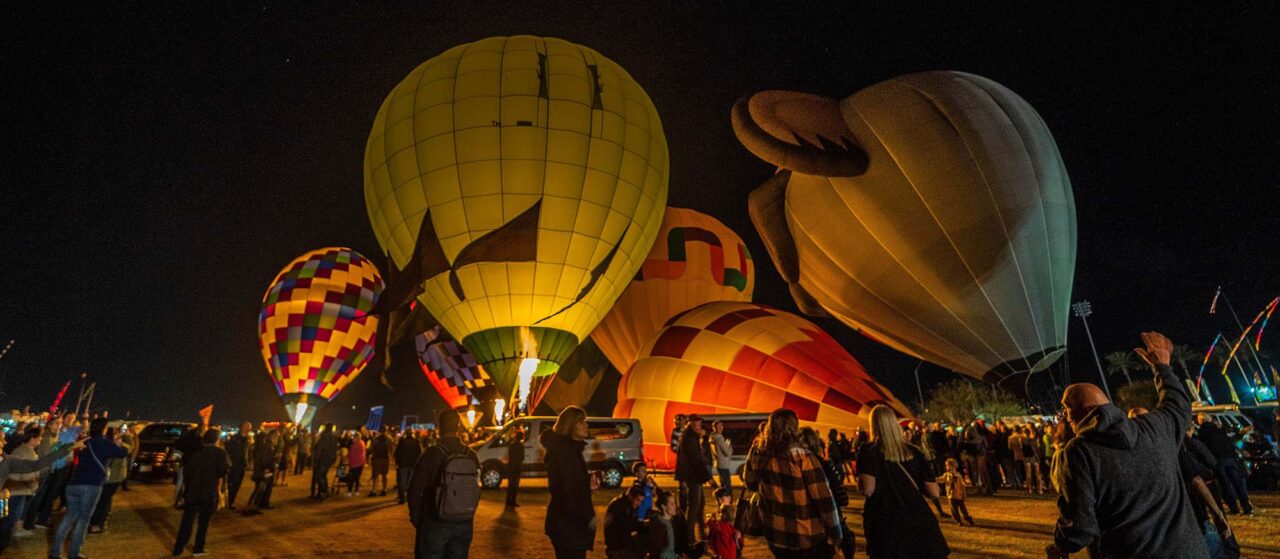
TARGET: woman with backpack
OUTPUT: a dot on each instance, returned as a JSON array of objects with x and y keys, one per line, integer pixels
[
  {"x": 571, "y": 517},
  {"x": 894, "y": 476}
]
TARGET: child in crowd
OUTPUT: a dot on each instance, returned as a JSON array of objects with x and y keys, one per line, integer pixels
[
  {"x": 954, "y": 484},
  {"x": 724, "y": 540},
  {"x": 723, "y": 497},
  {"x": 650, "y": 487}
]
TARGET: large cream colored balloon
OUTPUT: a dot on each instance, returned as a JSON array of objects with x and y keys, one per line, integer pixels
[
  {"x": 931, "y": 211},
  {"x": 540, "y": 168}
]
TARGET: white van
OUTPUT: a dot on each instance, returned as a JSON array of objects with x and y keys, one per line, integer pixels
[
  {"x": 741, "y": 430},
  {"x": 613, "y": 449}
]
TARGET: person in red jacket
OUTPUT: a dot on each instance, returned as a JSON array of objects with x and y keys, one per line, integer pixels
[{"x": 725, "y": 540}]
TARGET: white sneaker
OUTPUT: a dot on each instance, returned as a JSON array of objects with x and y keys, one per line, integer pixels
[{"x": 20, "y": 533}]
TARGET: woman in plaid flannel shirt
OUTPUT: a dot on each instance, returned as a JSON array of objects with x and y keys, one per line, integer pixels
[{"x": 797, "y": 512}]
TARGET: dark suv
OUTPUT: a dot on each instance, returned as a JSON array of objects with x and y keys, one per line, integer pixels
[{"x": 155, "y": 449}]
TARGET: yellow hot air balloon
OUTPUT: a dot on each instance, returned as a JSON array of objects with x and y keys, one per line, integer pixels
[
  {"x": 734, "y": 357},
  {"x": 517, "y": 182},
  {"x": 931, "y": 211},
  {"x": 695, "y": 260}
]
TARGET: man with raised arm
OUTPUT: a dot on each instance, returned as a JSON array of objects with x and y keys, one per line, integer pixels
[{"x": 1122, "y": 493}]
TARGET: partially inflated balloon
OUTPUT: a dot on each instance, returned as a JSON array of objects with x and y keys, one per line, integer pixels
[
  {"x": 731, "y": 357},
  {"x": 518, "y": 182},
  {"x": 579, "y": 378},
  {"x": 931, "y": 211},
  {"x": 313, "y": 328},
  {"x": 450, "y": 368},
  {"x": 695, "y": 260}
]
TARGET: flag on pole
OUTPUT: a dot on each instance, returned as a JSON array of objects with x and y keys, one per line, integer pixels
[
  {"x": 205, "y": 413},
  {"x": 1213, "y": 307},
  {"x": 58, "y": 401}
]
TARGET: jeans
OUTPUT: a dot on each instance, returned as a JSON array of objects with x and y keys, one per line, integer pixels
[
  {"x": 1234, "y": 489},
  {"x": 694, "y": 507},
  {"x": 403, "y": 475},
  {"x": 81, "y": 499},
  {"x": 958, "y": 510},
  {"x": 726, "y": 479},
  {"x": 257, "y": 499},
  {"x": 442, "y": 540},
  {"x": 300, "y": 464},
  {"x": 235, "y": 478},
  {"x": 320, "y": 479},
  {"x": 189, "y": 513},
  {"x": 353, "y": 479},
  {"x": 513, "y": 484},
  {"x": 17, "y": 507},
  {"x": 264, "y": 498},
  {"x": 103, "y": 509}
]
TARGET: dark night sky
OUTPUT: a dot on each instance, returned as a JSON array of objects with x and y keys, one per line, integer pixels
[{"x": 160, "y": 168}]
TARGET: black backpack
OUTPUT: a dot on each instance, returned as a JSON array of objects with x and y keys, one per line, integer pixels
[{"x": 458, "y": 488}]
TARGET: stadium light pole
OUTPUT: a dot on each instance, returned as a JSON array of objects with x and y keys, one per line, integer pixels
[
  {"x": 1083, "y": 309},
  {"x": 919, "y": 393}
]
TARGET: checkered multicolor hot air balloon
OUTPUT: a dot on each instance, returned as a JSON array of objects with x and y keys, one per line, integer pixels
[
  {"x": 450, "y": 368},
  {"x": 314, "y": 330},
  {"x": 737, "y": 357}
]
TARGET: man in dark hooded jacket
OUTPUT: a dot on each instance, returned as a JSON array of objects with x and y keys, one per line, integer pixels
[
  {"x": 692, "y": 471},
  {"x": 1122, "y": 486}
]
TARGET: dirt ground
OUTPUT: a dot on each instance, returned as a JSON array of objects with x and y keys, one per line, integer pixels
[{"x": 144, "y": 524}]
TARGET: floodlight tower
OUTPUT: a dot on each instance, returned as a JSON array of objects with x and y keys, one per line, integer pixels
[{"x": 1083, "y": 309}]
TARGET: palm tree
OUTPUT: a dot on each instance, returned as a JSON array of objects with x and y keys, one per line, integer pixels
[
  {"x": 1122, "y": 361},
  {"x": 1183, "y": 353}
]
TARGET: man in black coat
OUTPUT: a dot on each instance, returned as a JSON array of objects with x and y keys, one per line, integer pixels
[
  {"x": 515, "y": 466},
  {"x": 1122, "y": 488},
  {"x": 692, "y": 471},
  {"x": 323, "y": 456},
  {"x": 238, "y": 451},
  {"x": 202, "y": 473},
  {"x": 623, "y": 531},
  {"x": 408, "y": 450},
  {"x": 1230, "y": 467}
]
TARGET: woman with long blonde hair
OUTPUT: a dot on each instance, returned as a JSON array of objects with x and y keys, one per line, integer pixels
[{"x": 895, "y": 477}]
